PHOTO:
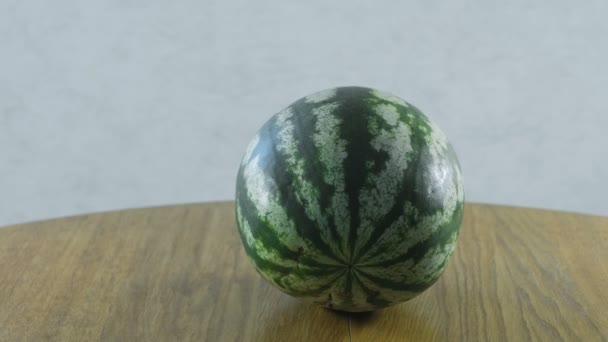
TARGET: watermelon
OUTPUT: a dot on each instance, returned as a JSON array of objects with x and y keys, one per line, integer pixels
[{"x": 350, "y": 198}]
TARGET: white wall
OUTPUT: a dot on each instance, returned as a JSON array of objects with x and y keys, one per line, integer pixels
[{"x": 114, "y": 104}]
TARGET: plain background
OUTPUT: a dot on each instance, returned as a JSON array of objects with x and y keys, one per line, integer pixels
[{"x": 124, "y": 103}]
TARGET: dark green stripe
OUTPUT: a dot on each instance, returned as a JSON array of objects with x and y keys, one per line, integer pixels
[
  {"x": 304, "y": 129},
  {"x": 264, "y": 266},
  {"x": 439, "y": 238},
  {"x": 372, "y": 296},
  {"x": 313, "y": 292},
  {"x": 425, "y": 186},
  {"x": 277, "y": 167},
  {"x": 263, "y": 232},
  {"x": 272, "y": 162},
  {"x": 413, "y": 186},
  {"x": 355, "y": 111},
  {"x": 348, "y": 287},
  {"x": 394, "y": 285}
]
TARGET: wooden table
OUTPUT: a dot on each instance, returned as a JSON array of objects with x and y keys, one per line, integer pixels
[{"x": 180, "y": 273}]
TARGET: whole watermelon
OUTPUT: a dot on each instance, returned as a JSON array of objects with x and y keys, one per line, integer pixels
[{"x": 351, "y": 198}]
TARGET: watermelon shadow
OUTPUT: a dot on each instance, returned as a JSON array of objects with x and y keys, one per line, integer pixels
[
  {"x": 402, "y": 322},
  {"x": 290, "y": 319},
  {"x": 295, "y": 320}
]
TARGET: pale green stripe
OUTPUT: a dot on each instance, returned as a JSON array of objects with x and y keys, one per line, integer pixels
[
  {"x": 390, "y": 295},
  {"x": 389, "y": 97},
  {"x": 423, "y": 271},
  {"x": 378, "y": 196},
  {"x": 321, "y": 96},
  {"x": 332, "y": 153},
  {"x": 262, "y": 192},
  {"x": 399, "y": 238}
]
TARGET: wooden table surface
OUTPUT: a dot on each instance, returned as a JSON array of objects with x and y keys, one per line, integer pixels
[{"x": 180, "y": 273}]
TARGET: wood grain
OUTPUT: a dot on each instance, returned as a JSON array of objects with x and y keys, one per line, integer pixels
[{"x": 180, "y": 273}]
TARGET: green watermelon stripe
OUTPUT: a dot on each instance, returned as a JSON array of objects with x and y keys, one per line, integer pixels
[
  {"x": 348, "y": 288},
  {"x": 426, "y": 270},
  {"x": 396, "y": 211},
  {"x": 372, "y": 296},
  {"x": 329, "y": 158},
  {"x": 420, "y": 127},
  {"x": 266, "y": 265},
  {"x": 439, "y": 238},
  {"x": 263, "y": 231},
  {"x": 398, "y": 208},
  {"x": 321, "y": 290},
  {"x": 305, "y": 145},
  {"x": 278, "y": 273},
  {"x": 306, "y": 228},
  {"x": 394, "y": 285},
  {"x": 359, "y": 147},
  {"x": 370, "y": 197}
]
